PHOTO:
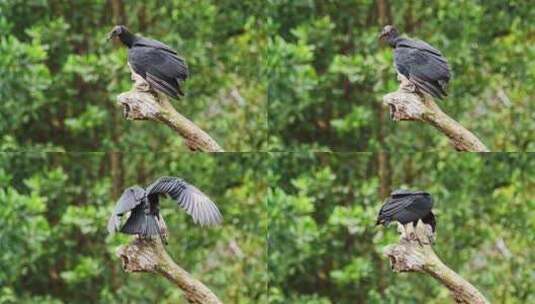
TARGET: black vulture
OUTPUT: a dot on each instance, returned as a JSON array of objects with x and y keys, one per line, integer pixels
[
  {"x": 156, "y": 62},
  {"x": 423, "y": 65},
  {"x": 405, "y": 206},
  {"x": 143, "y": 204}
]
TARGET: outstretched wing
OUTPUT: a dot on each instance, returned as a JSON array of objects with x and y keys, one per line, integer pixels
[
  {"x": 201, "y": 208},
  {"x": 130, "y": 198}
]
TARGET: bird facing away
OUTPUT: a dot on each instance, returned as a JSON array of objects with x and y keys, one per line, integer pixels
[
  {"x": 156, "y": 62},
  {"x": 405, "y": 206},
  {"x": 423, "y": 65},
  {"x": 144, "y": 207}
]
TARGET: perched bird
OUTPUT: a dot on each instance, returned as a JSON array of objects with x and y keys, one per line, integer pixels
[
  {"x": 405, "y": 206},
  {"x": 144, "y": 207},
  {"x": 156, "y": 62},
  {"x": 423, "y": 65}
]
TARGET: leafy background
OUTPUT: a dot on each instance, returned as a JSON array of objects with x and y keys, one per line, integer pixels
[
  {"x": 54, "y": 246},
  {"x": 328, "y": 73},
  {"x": 324, "y": 246},
  {"x": 60, "y": 77}
]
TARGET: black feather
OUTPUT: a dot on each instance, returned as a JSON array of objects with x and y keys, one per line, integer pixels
[
  {"x": 422, "y": 64},
  {"x": 197, "y": 204},
  {"x": 406, "y": 206},
  {"x": 143, "y": 204},
  {"x": 157, "y": 63}
]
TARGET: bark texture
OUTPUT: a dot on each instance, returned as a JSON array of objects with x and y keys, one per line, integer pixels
[
  {"x": 149, "y": 255},
  {"x": 414, "y": 253},
  {"x": 141, "y": 103},
  {"x": 406, "y": 104}
]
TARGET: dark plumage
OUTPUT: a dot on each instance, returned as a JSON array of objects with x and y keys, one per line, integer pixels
[
  {"x": 156, "y": 62},
  {"x": 423, "y": 65},
  {"x": 405, "y": 206},
  {"x": 144, "y": 208}
]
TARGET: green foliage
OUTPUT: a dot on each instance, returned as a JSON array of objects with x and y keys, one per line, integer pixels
[
  {"x": 54, "y": 243},
  {"x": 324, "y": 246},
  {"x": 60, "y": 77},
  {"x": 300, "y": 75},
  {"x": 329, "y": 72}
]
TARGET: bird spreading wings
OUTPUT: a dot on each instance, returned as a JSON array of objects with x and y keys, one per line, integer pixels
[
  {"x": 423, "y": 65},
  {"x": 156, "y": 62},
  {"x": 405, "y": 206},
  {"x": 143, "y": 204}
]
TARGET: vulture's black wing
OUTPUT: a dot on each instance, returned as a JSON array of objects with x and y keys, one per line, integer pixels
[
  {"x": 159, "y": 65},
  {"x": 201, "y": 208},
  {"x": 147, "y": 42},
  {"x": 405, "y": 206},
  {"x": 422, "y": 65},
  {"x": 391, "y": 208},
  {"x": 421, "y": 45},
  {"x": 130, "y": 199},
  {"x": 403, "y": 193}
]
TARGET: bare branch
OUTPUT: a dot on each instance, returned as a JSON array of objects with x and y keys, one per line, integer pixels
[
  {"x": 141, "y": 103},
  {"x": 406, "y": 104},
  {"x": 414, "y": 253},
  {"x": 149, "y": 255}
]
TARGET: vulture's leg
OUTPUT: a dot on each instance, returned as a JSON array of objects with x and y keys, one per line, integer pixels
[
  {"x": 409, "y": 231},
  {"x": 401, "y": 230},
  {"x": 162, "y": 228}
]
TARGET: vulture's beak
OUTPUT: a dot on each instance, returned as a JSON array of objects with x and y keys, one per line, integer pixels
[
  {"x": 382, "y": 35},
  {"x": 110, "y": 36}
]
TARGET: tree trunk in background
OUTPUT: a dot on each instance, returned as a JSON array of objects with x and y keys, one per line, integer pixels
[
  {"x": 383, "y": 163},
  {"x": 116, "y": 167},
  {"x": 409, "y": 18},
  {"x": 383, "y": 11},
  {"x": 117, "y": 7}
]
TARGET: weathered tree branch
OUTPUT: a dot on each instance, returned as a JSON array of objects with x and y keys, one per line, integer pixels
[
  {"x": 141, "y": 103},
  {"x": 149, "y": 255},
  {"x": 414, "y": 253},
  {"x": 406, "y": 104}
]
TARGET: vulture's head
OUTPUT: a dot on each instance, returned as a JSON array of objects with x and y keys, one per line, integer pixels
[
  {"x": 117, "y": 31},
  {"x": 122, "y": 33},
  {"x": 389, "y": 34}
]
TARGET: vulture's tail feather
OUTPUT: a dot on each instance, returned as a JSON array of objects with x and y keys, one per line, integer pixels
[
  {"x": 135, "y": 224},
  {"x": 152, "y": 225},
  {"x": 430, "y": 220},
  {"x": 427, "y": 87}
]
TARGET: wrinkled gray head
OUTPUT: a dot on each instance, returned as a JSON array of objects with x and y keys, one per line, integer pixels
[
  {"x": 117, "y": 31},
  {"x": 137, "y": 192},
  {"x": 389, "y": 34}
]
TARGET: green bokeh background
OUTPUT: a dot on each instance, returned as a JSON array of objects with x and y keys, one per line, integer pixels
[
  {"x": 328, "y": 73},
  {"x": 60, "y": 77},
  {"x": 324, "y": 246},
  {"x": 54, "y": 246}
]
